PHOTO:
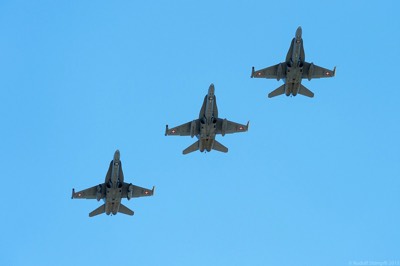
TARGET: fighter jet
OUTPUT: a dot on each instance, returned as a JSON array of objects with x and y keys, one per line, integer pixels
[
  {"x": 206, "y": 127},
  {"x": 112, "y": 191},
  {"x": 293, "y": 70}
]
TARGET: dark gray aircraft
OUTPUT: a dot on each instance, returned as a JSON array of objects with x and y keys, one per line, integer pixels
[
  {"x": 206, "y": 127},
  {"x": 112, "y": 191},
  {"x": 293, "y": 70}
]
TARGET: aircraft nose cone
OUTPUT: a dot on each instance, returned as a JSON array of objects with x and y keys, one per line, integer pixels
[
  {"x": 116, "y": 155},
  {"x": 211, "y": 89},
  {"x": 299, "y": 32}
]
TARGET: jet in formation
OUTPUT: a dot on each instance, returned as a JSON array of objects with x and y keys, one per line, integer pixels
[
  {"x": 206, "y": 127},
  {"x": 112, "y": 191},
  {"x": 293, "y": 70}
]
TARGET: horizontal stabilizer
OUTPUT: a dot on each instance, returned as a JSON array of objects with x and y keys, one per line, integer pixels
[
  {"x": 306, "y": 92},
  {"x": 219, "y": 147},
  {"x": 191, "y": 148},
  {"x": 98, "y": 211},
  {"x": 278, "y": 91},
  {"x": 125, "y": 210}
]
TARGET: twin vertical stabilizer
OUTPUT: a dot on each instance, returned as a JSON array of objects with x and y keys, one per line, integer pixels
[
  {"x": 102, "y": 209},
  {"x": 195, "y": 146}
]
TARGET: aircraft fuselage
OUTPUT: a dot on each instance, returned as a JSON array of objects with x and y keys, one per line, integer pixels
[
  {"x": 208, "y": 121},
  {"x": 114, "y": 183},
  {"x": 294, "y": 64}
]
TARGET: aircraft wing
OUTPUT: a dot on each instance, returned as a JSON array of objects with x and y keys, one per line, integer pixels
[
  {"x": 312, "y": 71},
  {"x": 269, "y": 72},
  {"x": 228, "y": 127},
  {"x": 89, "y": 193},
  {"x": 132, "y": 191},
  {"x": 187, "y": 129}
]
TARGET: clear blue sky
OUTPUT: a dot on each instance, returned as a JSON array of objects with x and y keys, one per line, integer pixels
[{"x": 313, "y": 182}]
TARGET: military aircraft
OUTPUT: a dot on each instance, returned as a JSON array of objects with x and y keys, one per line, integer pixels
[
  {"x": 206, "y": 127},
  {"x": 112, "y": 191},
  {"x": 293, "y": 70}
]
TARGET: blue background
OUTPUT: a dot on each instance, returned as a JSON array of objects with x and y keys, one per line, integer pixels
[{"x": 313, "y": 181}]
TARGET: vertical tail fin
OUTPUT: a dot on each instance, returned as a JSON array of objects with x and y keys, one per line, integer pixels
[
  {"x": 125, "y": 210},
  {"x": 219, "y": 147},
  {"x": 98, "y": 211},
  {"x": 306, "y": 92},
  {"x": 191, "y": 148},
  {"x": 278, "y": 91}
]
